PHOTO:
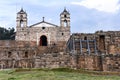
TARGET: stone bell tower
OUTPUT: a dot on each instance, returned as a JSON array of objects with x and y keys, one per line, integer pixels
[
  {"x": 21, "y": 20},
  {"x": 65, "y": 18},
  {"x": 64, "y": 30},
  {"x": 21, "y": 26}
]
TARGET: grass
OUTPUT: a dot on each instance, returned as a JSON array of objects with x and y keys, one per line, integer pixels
[{"x": 54, "y": 74}]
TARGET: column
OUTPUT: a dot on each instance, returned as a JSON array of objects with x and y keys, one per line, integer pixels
[
  {"x": 95, "y": 47},
  {"x": 88, "y": 46},
  {"x": 80, "y": 46},
  {"x": 73, "y": 45}
]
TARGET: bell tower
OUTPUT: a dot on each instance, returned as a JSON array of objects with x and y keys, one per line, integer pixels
[
  {"x": 21, "y": 20},
  {"x": 65, "y": 18}
]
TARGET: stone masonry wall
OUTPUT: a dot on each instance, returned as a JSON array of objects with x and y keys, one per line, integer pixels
[
  {"x": 89, "y": 62},
  {"x": 17, "y": 57},
  {"x": 111, "y": 63},
  {"x": 13, "y": 43},
  {"x": 13, "y": 63},
  {"x": 52, "y": 60},
  {"x": 96, "y": 62},
  {"x": 20, "y": 55},
  {"x": 62, "y": 59}
]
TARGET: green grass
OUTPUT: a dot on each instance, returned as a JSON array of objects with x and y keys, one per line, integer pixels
[{"x": 54, "y": 74}]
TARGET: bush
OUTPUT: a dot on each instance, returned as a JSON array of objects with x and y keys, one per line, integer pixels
[{"x": 12, "y": 78}]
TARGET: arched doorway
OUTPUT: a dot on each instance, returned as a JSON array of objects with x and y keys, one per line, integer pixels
[{"x": 43, "y": 41}]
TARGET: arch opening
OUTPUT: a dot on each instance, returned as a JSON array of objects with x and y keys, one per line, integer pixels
[
  {"x": 65, "y": 23},
  {"x": 43, "y": 41},
  {"x": 21, "y": 23}
]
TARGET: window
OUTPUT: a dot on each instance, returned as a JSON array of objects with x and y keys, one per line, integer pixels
[{"x": 43, "y": 27}]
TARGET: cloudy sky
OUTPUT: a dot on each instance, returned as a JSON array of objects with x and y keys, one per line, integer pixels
[{"x": 87, "y": 16}]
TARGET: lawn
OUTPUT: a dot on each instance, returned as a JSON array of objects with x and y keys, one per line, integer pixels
[{"x": 52, "y": 75}]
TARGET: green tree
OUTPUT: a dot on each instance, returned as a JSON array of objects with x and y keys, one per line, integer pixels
[{"x": 7, "y": 34}]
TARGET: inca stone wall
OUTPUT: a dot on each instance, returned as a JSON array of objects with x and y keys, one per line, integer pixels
[
  {"x": 55, "y": 57},
  {"x": 99, "y": 42},
  {"x": 90, "y": 62},
  {"x": 96, "y": 62},
  {"x": 13, "y": 43},
  {"x": 17, "y": 57},
  {"x": 96, "y": 51},
  {"x": 52, "y": 60},
  {"x": 111, "y": 63},
  {"x": 99, "y": 51}
]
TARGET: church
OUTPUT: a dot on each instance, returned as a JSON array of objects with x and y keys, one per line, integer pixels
[{"x": 43, "y": 33}]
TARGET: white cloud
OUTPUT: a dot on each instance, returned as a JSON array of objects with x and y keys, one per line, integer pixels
[{"x": 101, "y": 5}]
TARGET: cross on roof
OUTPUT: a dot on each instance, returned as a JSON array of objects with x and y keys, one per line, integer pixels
[{"x": 43, "y": 19}]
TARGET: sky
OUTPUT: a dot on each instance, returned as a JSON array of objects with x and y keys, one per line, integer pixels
[{"x": 87, "y": 16}]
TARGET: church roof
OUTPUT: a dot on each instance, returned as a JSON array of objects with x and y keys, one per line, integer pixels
[{"x": 43, "y": 23}]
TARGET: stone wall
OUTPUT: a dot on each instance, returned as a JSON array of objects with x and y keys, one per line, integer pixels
[
  {"x": 90, "y": 62},
  {"x": 17, "y": 57},
  {"x": 114, "y": 49},
  {"x": 54, "y": 57},
  {"x": 111, "y": 63},
  {"x": 52, "y": 60},
  {"x": 13, "y": 43},
  {"x": 13, "y": 63},
  {"x": 96, "y": 62},
  {"x": 104, "y": 42}
]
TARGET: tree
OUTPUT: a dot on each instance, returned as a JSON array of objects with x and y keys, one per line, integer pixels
[{"x": 7, "y": 34}]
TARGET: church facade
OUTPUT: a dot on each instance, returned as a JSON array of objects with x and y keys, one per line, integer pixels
[{"x": 43, "y": 33}]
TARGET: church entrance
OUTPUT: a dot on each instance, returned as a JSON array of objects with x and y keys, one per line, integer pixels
[{"x": 43, "y": 41}]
